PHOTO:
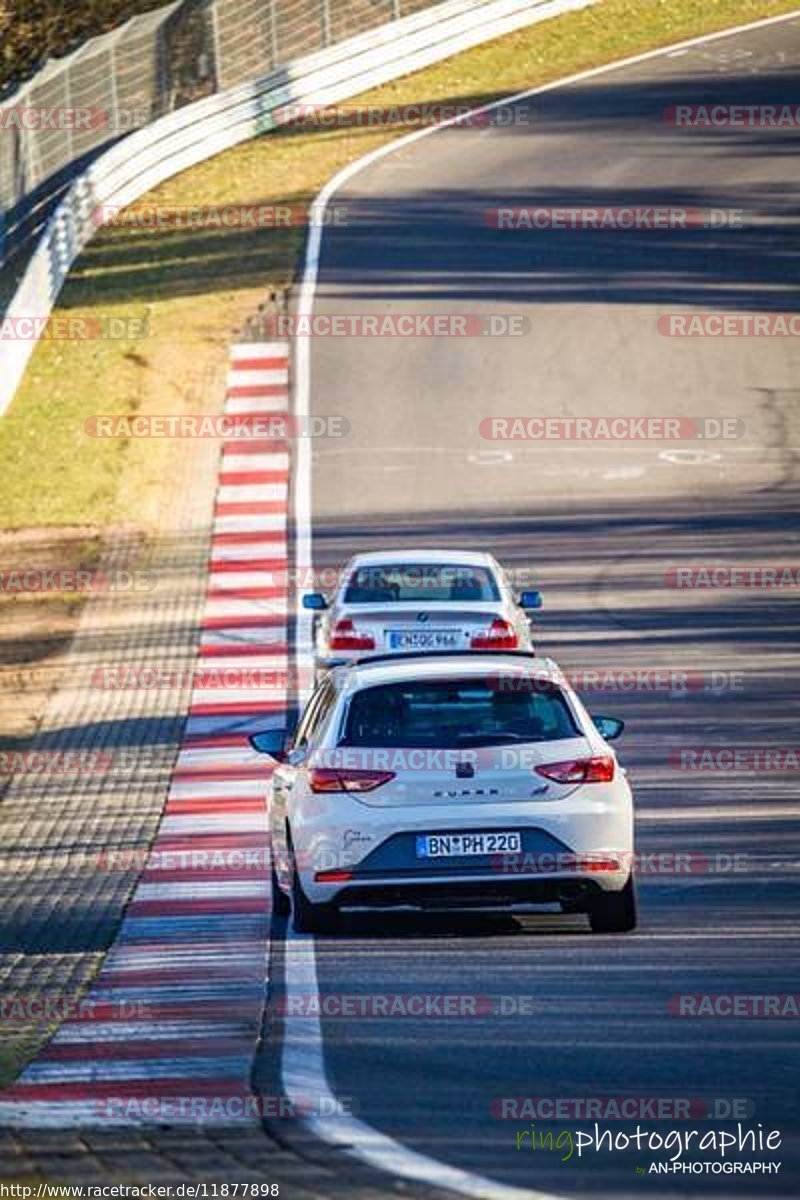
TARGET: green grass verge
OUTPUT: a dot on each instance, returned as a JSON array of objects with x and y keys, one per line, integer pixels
[{"x": 196, "y": 287}]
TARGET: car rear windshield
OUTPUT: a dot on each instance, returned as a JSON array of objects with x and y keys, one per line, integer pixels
[
  {"x": 417, "y": 583},
  {"x": 446, "y": 713}
]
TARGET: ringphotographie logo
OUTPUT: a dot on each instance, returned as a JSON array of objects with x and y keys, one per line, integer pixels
[{"x": 682, "y": 1142}]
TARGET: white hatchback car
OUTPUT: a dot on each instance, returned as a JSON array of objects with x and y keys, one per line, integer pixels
[
  {"x": 411, "y": 601},
  {"x": 450, "y": 780}
]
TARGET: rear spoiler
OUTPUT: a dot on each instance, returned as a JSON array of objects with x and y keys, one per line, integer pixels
[{"x": 426, "y": 656}]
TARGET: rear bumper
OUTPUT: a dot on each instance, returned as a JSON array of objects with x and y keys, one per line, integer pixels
[
  {"x": 574, "y": 892},
  {"x": 344, "y": 849}
]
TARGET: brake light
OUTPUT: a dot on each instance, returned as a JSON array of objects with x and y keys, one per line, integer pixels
[
  {"x": 500, "y": 636},
  {"x": 333, "y": 876},
  {"x": 589, "y": 863},
  {"x": 599, "y": 769},
  {"x": 345, "y": 636},
  {"x": 327, "y": 779}
]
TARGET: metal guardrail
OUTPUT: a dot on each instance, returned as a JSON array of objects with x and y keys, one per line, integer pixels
[{"x": 192, "y": 134}]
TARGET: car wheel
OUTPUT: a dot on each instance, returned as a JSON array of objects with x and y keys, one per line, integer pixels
[
  {"x": 280, "y": 901},
  {"x": 614, "y": 912},
  {"x": 308, "y": 917}
]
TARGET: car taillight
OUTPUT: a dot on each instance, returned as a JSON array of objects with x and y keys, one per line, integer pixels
[
  {"x": 599, "y": 769},
  {"x": 500, "y": 636},
  {"x": 345, "y": 636},
  {"x": 326, "y": 779}
]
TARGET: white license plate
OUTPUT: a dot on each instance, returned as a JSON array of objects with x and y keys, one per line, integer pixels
[
  {"x": 431, "y": 639},
  {"x": 458, "y": 845}
]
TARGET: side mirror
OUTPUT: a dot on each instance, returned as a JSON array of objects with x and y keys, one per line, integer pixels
[
  {"x": 608, "y": 727},
  {"x": 315, "y": 601},
  {"x": 528, "y": 600},
  {"x": 270, "y": 741}
]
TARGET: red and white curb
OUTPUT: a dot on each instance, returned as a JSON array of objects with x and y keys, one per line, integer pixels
[{"x": 168, "y": 1031}]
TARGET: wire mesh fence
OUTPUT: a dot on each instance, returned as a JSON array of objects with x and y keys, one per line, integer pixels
[{"x": 154, "y": 63}]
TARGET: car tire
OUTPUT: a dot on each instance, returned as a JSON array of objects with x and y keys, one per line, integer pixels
[
  {"x": 308, "y": 917},
  {"x": 614, "y": 912},
  {"x": 281, "y": 905}
]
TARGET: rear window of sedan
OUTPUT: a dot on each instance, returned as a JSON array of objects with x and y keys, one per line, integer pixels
[
  {"x": 445, "y": 713},
  {"x": 419, "y": 583}
]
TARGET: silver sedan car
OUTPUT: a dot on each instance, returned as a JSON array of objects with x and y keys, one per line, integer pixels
[{"x": 410, "y": 602}]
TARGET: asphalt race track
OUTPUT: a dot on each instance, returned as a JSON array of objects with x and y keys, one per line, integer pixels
[{"x": 598, "y": 527}]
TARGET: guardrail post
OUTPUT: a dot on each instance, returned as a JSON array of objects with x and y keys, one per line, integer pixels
[
  {"x": 396, "y": 10},
  {"x": 326, "y": 22},
  {"x": 68, "y": 90}
]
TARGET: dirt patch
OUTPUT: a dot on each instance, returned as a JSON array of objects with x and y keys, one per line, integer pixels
[{"x": 45, "y": 577}]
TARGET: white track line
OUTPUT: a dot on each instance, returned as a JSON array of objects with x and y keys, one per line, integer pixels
[
  {"x": 304, "y": 1075},
  {"x": 302, "y": 1063}
]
